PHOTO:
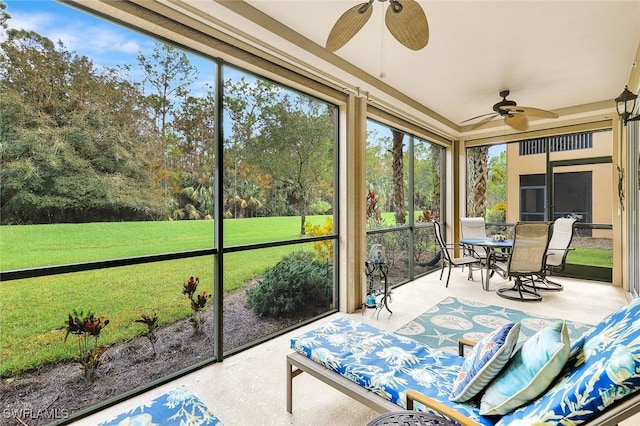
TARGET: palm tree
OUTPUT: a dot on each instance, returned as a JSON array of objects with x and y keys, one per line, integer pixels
[
  {"x": 202, "y": 194},
  {"x": 398, "y": 177},
  {"x": 478, "y": 175}
]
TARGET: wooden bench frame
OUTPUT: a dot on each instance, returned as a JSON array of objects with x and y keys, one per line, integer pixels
[{"x": 298, "y": 363}]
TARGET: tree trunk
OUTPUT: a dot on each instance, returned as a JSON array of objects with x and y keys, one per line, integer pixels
[
  {"x": 479, "y": 176},
  {"x": 398, "y": 177},
  {"x": 303, "y": 218}
]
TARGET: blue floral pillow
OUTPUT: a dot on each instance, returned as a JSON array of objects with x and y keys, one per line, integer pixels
[
  {"x": 530, "y": 372},
  {"x": 604, "y": 369},
  {"x": 484, "y": 362}
]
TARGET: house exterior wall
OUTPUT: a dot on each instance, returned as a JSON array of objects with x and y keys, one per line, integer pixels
[{"x": 601, "y": 208}]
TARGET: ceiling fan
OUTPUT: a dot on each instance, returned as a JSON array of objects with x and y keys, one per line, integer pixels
[
  {"x": 405, "y": 20},
  {"x": 514, "y": 115}
]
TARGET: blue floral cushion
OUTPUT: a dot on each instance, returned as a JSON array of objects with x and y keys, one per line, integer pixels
[
  {"x": 604, "y": 367},
  {"x": 385, "y": 363},
  {"x": 530, "y": 372},
  {"x": 485, "y": 361}
]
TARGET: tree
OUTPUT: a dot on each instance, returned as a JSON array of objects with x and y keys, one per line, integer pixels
[
  {"x": 72, "y": 138},
  {"x": 193, "y": 155},
  {"x": 497, "y": 179},
  {"x": 380, "y": 171},
  {"x": 477, "y": 180},
  {"x": 4, "y": 16},
  {"x": 427, "y": 176},
  {"x": 168, "y": 75},
  {"x": 194, "y": 127},
  {"x": 244, "y": 103},
  {"x": 398, "y": 176},
  {"x": 201, "y": 195},
  {"x": 281, "y": 143},
  {"x": 295, "y": 147}
]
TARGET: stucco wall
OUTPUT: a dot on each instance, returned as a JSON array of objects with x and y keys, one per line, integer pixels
[{"x": 602, "y": 177}]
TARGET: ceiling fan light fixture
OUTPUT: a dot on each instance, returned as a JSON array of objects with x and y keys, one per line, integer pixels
[
  {"x": 515, "y": 116},
  {"x": 505, "y": 107}
]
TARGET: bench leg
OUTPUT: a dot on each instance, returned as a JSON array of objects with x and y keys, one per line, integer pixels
[
  {"x": 289, "y": 386},
  {"x": 291, "y": 373}
]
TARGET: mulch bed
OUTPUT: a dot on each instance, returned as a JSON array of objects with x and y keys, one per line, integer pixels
[{"x": 55, "y": 391}]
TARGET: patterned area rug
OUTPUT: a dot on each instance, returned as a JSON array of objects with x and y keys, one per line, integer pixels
[
  {"x": 176, "y": 407},
  {"x": 442, "y": 326}
]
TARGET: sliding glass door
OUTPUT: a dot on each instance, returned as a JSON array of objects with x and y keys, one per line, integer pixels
[
  {"x": 546, "y": 178},
  {"x": 578, "y": 189}
]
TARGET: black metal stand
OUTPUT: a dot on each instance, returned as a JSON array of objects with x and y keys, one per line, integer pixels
[{"x": 378, "y": 294}]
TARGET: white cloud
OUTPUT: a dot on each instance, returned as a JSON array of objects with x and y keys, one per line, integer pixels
[
  {"x": 113, "y": 40},
  {"x": 29, "y": 21},
  {"x": 82, "y": 34}
]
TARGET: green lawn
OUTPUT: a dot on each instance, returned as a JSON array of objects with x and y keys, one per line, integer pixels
[
  {"x": 33, "y": 311},
  {"x": 591, "y": 256},
  {"x": 40, "y": 245}
]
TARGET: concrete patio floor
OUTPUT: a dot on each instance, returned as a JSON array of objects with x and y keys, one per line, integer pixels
[{"x": 249, "y": 388}]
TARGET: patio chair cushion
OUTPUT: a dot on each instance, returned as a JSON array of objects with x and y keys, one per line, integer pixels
[
  {"x": 485, "y": 361},
  {"x": 385, "y": 363},
  {"x": 530, "y": 372},
  {"x": 603, "y": 368}
]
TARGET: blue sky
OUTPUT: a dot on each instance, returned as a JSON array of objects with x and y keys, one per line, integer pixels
[{"x": 106, "y": 43}]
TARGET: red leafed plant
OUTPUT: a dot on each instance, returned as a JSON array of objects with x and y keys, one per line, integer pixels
[
  {"x": 198, "y": 302},
  {"x": 152, "y": 325},
  {"x": 87, "y": 328},
  {"x": 426, "y": 216}
]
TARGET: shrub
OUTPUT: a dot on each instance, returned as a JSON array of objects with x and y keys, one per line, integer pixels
[
  {"x": 320, "y": 207},
  {"x": 498, "y": 214},
  {"x": 294, "y": 285},
  {"x": 323, "y": 249}
]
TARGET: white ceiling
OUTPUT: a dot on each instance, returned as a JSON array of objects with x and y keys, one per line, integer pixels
[{"x": 549, "y": 54}]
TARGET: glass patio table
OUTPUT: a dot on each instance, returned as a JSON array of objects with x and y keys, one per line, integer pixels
[{"x": 492, "y": 249}]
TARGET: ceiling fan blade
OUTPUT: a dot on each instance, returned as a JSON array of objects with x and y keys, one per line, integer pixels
[
  {"x": 484, "y": 120},
  {"x": 532, "y": 112},
  {"x": 479, "y": 116},
  {"x": 517, "y": 121},
  {"x": 348, "y": 25},
  {"x": 408, "y": 25}
]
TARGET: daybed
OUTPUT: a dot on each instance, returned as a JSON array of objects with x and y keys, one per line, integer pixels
[{"x": 597, "y": 381}]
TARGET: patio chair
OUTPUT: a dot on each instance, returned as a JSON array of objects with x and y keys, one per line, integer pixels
[
  {"x": 556, "y": 253},
  {"x": 527, "y": 260},
  {"x": 474, "y": 227},
  {"x": 448, "y": 256}
]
